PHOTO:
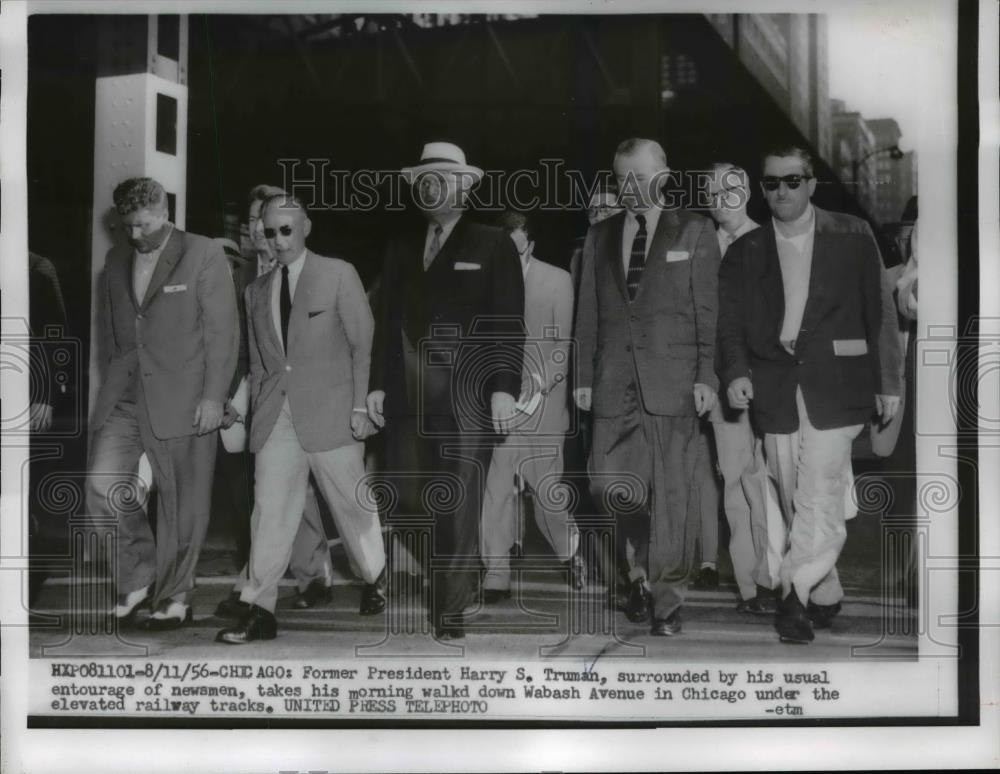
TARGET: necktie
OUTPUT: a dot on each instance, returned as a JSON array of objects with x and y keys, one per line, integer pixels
[
  {"x": 435, "y": 247},
  {"x": 285, "y": 306},
  {"x": 637, "y": 259}
]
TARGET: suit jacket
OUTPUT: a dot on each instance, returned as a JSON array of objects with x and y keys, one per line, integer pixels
[
  {"x": 183, "y": 338},
  {"x": 548, "y": 320},
  {"x": 244, "y": 273},
  {"x": 324, "y": 374},
  {"x": 847, "y": 350},
  {"x": 46, "y": 314},
  {"x": 467, "y": 310},
  {"x": 665, "y": 339}
]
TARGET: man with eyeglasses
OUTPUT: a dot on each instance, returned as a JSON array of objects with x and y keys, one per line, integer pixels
[
  {"x": 309, "y": 330},
  {"x": 802, "y": 335},
  {"x": 310, "y": 560},
  {"x": 739, "y": 450}
]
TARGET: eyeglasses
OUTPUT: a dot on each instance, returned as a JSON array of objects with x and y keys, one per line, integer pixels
[
  {"x": 718, "y": 196},
  {"x": 270, "y": 233},
  {"x": 771, "y": 183}
]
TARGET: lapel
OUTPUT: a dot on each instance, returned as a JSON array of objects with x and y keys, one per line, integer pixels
[
  {"x": 262, "y": 313},
  {"x": 667, "y": 228},
  {"x": 168, "y": 259},
  {"x": 301, "y": 301},
  {"x": 445, "y": 258},
  {"x": 615, "y": 233},
  {"x": 127, "y": 272},
  {"x": 819, "y": 274}
]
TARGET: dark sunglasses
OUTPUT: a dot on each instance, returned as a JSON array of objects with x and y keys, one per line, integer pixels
[
  {"x": 270, "y": 233},
  {"x": 771, "y": 183}
]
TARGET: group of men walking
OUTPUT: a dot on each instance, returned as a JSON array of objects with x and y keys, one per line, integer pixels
[{"x": 776, "y": 334}]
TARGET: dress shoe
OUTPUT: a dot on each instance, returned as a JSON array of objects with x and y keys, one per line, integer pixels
[
  {"x": 706, "y": 579},
  {"x": 762, "y": 604},
  {"x": 373, "y": 596},
  {"x": 316, "y": 593},
  {"x": 791, "y": 621},
  {"x": 822, "y": 615},
  {"x": 577, "y": 571},
  {"x": 639, "y": 602},
  {"x": 168, "y": 615},
  {"x": 516, "y": 552},
  {"x": 493, "y": 596},
  {"x": 127, "y": 605},
  {"x": 667, "y": 627},
  {"x": 232, "y": 607},
  {"x": 257, "y": 624}
]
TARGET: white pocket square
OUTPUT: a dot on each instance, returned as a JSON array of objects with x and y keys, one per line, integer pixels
[
  {"x": 463, "y": 266},
  {"x": 677, "y": 255},
  {"x": 174, "y": 288}
]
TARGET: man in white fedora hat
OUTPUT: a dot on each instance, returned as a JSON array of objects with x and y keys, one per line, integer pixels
[{"x": 446, "y": 364}]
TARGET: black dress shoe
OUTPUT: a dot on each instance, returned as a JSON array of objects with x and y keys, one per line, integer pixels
[
  {"x": 127, "y": 605},
  {"x": 667, "y": 627},
  {"x": 639, "y": 602},
  {"x": 759, "y": 605},
  {"x": 822, "y": 615},
  {"x": 172, "y": 615},
  {"x": 257, "y": 624},
  {"x": 232, "y": 607},
  {"x": 493, "y": 596},
  {"x": 577, "y": 571},
  {"x": 316, "y": 593},
  {"x": 791, "y": 621},
  {"x": 706, "y": 579},
  {"x": 373, "y": 596}
]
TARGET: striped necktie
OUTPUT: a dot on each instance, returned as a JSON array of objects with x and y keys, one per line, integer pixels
[
  {"x": 434, "y": 248},
  {"x": 637, "y": 258}
]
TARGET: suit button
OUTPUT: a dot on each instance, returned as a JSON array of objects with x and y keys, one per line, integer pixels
[
  {"x": 628, "y": 347},
  {"x": 798, "y": 362},
  {"x": 288, "y": 368}
]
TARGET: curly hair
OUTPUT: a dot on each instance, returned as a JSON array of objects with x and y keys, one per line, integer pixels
[{"x": 139, "y": 193}]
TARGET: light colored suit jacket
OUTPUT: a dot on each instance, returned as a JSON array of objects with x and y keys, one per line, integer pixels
[
  {"x": 183, "y": 338},
  {"x": 324, "y": 374},
  {"x": 548, "y": 319},
  {"x": 665, "y": 339}
]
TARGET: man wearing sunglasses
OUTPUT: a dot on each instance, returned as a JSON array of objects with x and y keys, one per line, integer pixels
[
  {"x": 803, "y": 337},
  {"x": 309, "y": 332}
]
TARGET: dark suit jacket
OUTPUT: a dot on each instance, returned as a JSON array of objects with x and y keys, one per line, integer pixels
[
  {"x": 325, "y": 371},
  {"x": 46, "y": 314},
  {"x": 468, "y": 309},
  {"x": 847, "y": 294},
  {"x": 665, "y": 338},
  {"x": 183, "y": 338}
]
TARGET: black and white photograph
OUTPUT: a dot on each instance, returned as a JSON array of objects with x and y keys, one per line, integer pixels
[{"x": 569, "y": 382}]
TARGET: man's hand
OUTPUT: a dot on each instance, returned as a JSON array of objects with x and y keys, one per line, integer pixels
[
  {"x": 375, "y": 403},
  {"x": 502, "y": 405},
  {"x": 208, "y": 416},
  {"x": 582, "y": 396},
  {"x": 740, "y": 392},
  {"x": 886, "y": 406},
  {"x": 230, "y": 416},
  {"x": 361, "y": 425},
  {"x": 704, "y": 399},
  {"x": 40, "y": 417}
]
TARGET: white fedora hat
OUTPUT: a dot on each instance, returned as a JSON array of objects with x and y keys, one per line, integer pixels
[{"x": 442, "y": 157}]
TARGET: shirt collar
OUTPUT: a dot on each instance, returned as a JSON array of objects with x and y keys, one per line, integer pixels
[
  {"x": 446, "y": 229},
  {"x": 295, "y": 267},
  {"x": 525, "y": 265},
  {"x": 652, "y": 216},
  {"x": 746, "y": 226}
]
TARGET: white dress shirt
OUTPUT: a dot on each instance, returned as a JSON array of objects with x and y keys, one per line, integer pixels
[
  {"x": 294, "y": 270},
  {"x": 726, "y": 238},
  {"x": 652, "y": 216},
  {"x": 144, "y": 265}
]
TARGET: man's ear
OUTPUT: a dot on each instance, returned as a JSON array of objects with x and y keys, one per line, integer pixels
[
  {"x": 812, "y": 186},
  {"x": 306, "y": 227}
]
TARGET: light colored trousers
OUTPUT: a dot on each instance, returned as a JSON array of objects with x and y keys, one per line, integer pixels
[
  {"x": 756, "y": 528},
  {"x": 538, "y": 462},
  {"x": 811, "y": 470},
  {"x": 310, "y": 558},
  {"x": 282, "y": 469}
]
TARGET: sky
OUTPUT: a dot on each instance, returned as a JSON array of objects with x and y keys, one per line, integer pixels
[{"x": 877, "y": 55}]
